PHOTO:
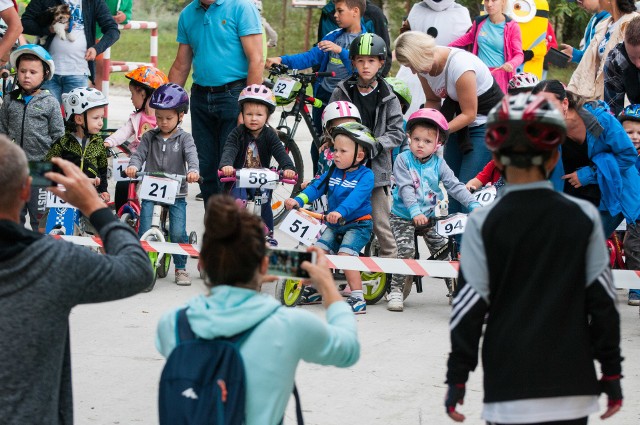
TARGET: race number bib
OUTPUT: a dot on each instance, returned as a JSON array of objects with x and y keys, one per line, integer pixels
[
  {"x": 159, "y": 189},
  {"x": 320, "y": 205},
  {"x": 119, "y": 165},
  {"x": 54, "y": 201},
  {"x": 257, "y": 178},
  {"x": 486, "y": 195},
  {"x": 301, "y": 227},
  {"x": 453, "y": 225},
  {"x": 283, "y": 87}
]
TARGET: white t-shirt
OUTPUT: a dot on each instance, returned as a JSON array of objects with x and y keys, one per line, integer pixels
[
  {"x": 540, "y": 409},
  {"x": 458, "y": 62},
  {"x": 5, "y": 4},
  {"x": 69, "y": 55}
]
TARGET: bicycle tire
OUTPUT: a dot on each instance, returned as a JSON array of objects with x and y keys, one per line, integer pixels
[
  {"x": 127, "y": 218},
  {"x": 374, "y": 293},
  {"x": 163, "y": 267},
  {"x": 289, "y": 292},
  {"x": 284, "y": 191},
  {"x": 153, "y": 258}
]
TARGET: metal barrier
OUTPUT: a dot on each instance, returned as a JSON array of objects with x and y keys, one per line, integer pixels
[{"x": 109, "y": 66}]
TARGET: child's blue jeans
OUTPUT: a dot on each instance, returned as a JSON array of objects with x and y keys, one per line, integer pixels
[
  {"x": 177, "y": 225},
  {"x": 348, "y": 239}
]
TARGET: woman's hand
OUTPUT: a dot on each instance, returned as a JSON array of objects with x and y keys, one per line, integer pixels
[
  {"x": 506, "y": 67},
  {"x": 320, "y": 275},
  {"x": 572, "y": 179}
]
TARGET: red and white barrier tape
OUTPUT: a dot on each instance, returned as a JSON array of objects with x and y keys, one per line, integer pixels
[{"x": 623, "y": 279}]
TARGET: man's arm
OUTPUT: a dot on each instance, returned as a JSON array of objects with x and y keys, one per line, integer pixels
[
  {"x": 14, "y": 29},
  {"x": 181, "y": 65},
  {"x": 108, "y": 26},
  {"x": 252, "y": 46}
]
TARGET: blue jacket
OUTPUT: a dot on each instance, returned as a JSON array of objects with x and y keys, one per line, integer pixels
[
  {"x": 315, "y": 56},
  {"x": 614, "y": 159},
  {"x": 273, "y": 350},
  {"x": 349, "y": 193}
]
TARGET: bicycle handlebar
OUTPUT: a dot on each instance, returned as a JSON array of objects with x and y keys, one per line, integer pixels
[
  {"x": 280, "y": 173},
  {"x": 281, "y": 69},
  {"x": 177, "y": 177},
  {"x": 318, "y": 216}
]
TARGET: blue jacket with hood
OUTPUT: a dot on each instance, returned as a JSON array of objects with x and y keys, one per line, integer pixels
[{"x": 273, "y": 349}]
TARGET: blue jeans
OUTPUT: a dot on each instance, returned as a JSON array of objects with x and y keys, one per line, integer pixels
[
  {"x": 64, "y": 84},
  {"x": 467, "y": 166},
  {"x": 213, "y": 116},
  {"x": 348, "y": 239},
  {"x": 177, "y": 225}
]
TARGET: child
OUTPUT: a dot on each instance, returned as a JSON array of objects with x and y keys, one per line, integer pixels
[
  {"x": 142, "y": 83},
  {"x": 334, "y": 114},
  {"x": 418, "y": 174},
  {"x": 166, "y": 149},
  {"x": 348, "y": 185},
  {"x": 381, "y": 112},
  {"x": 534, "y": 268},
  {"x": 254, "y": 143},
  {"x": 402, "y": 92},
  {"x": 31, "y": 116},
  {"x": 331, "y": 54},
  {"x": 82, "y": 143},
  {"x": 630, "y": 119}
]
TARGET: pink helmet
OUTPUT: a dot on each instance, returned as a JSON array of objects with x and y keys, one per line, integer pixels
[
  {"x": 340, "y": 109},
  {"x": 429, "y": 116},
  {"x": 259, "y": 94}
]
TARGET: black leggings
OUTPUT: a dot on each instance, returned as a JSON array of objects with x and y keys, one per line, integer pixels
[{"x": 580, "y": 421}]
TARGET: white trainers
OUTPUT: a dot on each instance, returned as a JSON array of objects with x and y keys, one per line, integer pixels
[
  {"x": 395, "y": 302},
  {"x": 182, "y": 278}
]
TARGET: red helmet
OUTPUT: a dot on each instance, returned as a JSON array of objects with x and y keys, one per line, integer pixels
[{"x": 525, "y": 120}]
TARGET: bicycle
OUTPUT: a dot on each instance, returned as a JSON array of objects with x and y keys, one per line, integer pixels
[
  {"x": 290, "y": 86},
  {"x": 374, "y": 284},
  {"x": 159, "y": 230}
]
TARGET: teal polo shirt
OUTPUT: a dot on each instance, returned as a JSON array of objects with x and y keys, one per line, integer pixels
[{"x": 214, "y": 37}]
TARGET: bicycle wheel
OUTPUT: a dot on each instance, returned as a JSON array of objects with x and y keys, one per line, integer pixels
[
  {"x": 163, "y": 267},
  {"x": 374, "y": 284},
  {"x": 289, "y": 292},
  {"x": 127, "y": 218},
  {"x": 284, "y": 191},
  {"x": 153, "y": 258}
]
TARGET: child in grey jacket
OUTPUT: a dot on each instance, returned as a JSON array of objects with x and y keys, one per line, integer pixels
[
  {"x": 166, "y": 149},
  {"x": 31, "y": 117}
]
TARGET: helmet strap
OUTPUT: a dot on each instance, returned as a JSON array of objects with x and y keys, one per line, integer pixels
[{"x": 85, "y": 127}]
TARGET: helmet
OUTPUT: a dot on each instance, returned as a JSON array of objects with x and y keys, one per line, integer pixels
[
  {"x": 368, "y": 44},
  {"x": 36, "y": 50},
  {"x": 81, "y": 99},
  {"x": 360, "y": 134},
  {"x": 429, "y": 116},
  {"x": 170, "y": 96},
  {"x": 258, "y": 94},
  {"x": 339, "y": 109},
  {"x": 147, "y": 76},
  {"x": 630, "y": 113},
  {"x": 401, "y": 89},
  {"x": 525, "y": 119},
  {"x": 523, "y": 80}
]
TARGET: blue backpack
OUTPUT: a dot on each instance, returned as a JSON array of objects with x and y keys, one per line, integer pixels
[{"x": 203, "y": 381}]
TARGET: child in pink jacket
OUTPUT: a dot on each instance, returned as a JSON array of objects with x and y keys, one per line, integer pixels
[{"x": 496, "y": 39}]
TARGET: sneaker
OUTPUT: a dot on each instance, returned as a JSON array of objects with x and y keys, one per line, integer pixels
[
  {"x": 396, "y": 302},
  {"x": 359, "y": 306},
  {"x": 271, "y": 242},
  {"x": 310, "y": 295},
  {"x": 182, "y": 278},
  {"x": 199, "y": 197},
  {"x": 634, "y": 298}
]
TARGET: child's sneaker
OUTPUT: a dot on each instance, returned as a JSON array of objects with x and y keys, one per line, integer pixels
[
  {"x": 182, "y": 278},
  {"x": 310, "y": 295},
  {"x": 634, "y": 298},
  {"x": 396, "y": 302},
  {"x": 359, "y": 306}
]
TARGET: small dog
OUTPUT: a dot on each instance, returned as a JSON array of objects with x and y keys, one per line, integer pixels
[{"x": 58, "y": 17}]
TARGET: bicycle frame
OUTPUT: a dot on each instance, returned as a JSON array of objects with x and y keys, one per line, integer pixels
[{"x": 132, "y": 206}]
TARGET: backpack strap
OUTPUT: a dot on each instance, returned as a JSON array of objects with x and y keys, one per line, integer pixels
[
  {"x": 298, "y": 405},
  {"x": 183, "y": 329}
]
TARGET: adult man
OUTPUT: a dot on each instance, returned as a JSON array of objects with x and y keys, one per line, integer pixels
[
  {"x": 591, "y": 6},
  {"x": 534, "y": 243},
  {"x": 42, "y": 279},
  {"x": 223, "y": 40},
  {"x": 622, "y": 70}
]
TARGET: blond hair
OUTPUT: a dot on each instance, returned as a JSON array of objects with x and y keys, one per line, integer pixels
[{"x": 416, "y": 49}]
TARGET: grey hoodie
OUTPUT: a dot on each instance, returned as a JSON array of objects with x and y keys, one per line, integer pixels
[
  {"x": 167, "y": 156},
  {"x": 388, "y": 130},
  {"x": 41, "y": 280},
  {"x": 34, "y": 126}
]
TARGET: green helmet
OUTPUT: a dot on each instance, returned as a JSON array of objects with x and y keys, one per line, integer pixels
[
  {"x": 401, "y": 89},
  {"x": 360, "y": 134},
  {"x": 368, "y": 44}
]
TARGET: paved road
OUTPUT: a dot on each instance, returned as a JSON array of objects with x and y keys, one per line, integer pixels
[{"x": 398, "y": 380}]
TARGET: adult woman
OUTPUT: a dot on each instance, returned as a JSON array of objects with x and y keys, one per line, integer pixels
[
  {"x": 496, "y": 40},
  {"x": 469, "y": 92},
  {"x": 234, "y": 257},
  {"x": 588, "y": 78},
  {"x": 598, "y": 157}
]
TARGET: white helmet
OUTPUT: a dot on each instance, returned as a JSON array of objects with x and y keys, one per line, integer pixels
[
  {"x": 81, "y": 99},
  {"x": 340, "y": 109}
]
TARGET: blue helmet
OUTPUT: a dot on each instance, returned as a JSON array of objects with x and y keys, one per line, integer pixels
[
  {"x": 631, "y": 113},
  {"x": 38, "y": 51}
]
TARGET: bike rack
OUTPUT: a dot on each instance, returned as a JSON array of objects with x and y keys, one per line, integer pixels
[{"x": 110, "y": 66}]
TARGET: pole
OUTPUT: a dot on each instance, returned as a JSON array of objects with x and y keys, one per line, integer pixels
[
  {"x": 306, "y": 30},
  {"x": 283, "y": 26}
]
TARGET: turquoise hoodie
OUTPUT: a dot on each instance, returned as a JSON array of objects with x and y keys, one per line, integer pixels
[{"x": 272, "y": 352}]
